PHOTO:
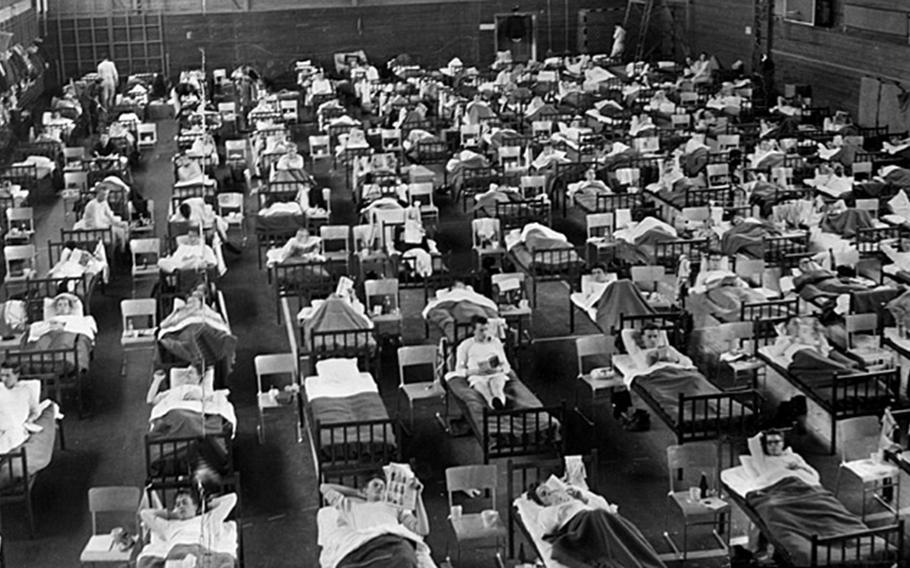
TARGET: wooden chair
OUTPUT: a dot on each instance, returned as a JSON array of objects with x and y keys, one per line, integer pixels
[
  {"x": 21, "y": 262},
  {"x": 470, "y": 528},
  {"x": 423, "y": 192},
  {"x": 275, "y": 371},
  {"x": 599, "y": 348},
  {"x": 859, "y": 441},
  {"x": 140, "y": 322},
  {"x": 120, "y": 503}
]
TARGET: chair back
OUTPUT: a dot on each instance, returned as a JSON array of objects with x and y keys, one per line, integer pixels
[
  {"x": 858, "y": 436},
  {"x": 718, "y": 175},
  {"x": 112, "y": 500},
  {"x": 472, "y": 477},
  {"x": 143, "y": 309},
  {"x": 319, "y": 145},
  {"x": 532, "y": 186},
  {"x": 414, "y": 356},
  {"x": 599, "y": 224},
  {"x": 284, "y": 364},
  {"x": 870, "y": 205},
  {"x": 860, "y": 323},
  {"x": 590, "y": 346},
  {"x": 748, "y": 269},
  {"x": 421, "y": 190},
  {"x": 647, "y": 277},
  {"x": 686, "y": 464},
  {"x": 377, "y": 291}
]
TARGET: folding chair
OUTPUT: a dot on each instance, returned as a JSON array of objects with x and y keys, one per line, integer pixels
[
  {"x": 599, "y": 348},
  {"x": 509, "y": 159},
  {"x": 423, "y": 193},
  {"x": 486, "y": 239},
  {"x": 290, "y": 112},
  {"x": 140, "y": 322},
  {"x": 599, "y": 228},
  {"x": 147, "y": 135},
  {"x": 470, "y": 135},
  {"x": 864, "y": 341},
  {"x": 686, "y": 464},
  {"x": 532, "y": 186},
  {"x": 320, "y": 148},
  {"x": 383, "y": 306},
  {"x": 276, "y": 371},
  {"x": 718, "y": 175},
  {"x": 118, "y": 506},
  {"x": 860, "y": 457},
  {"x": 471, "y": 528},
  {"x": 230, "y": 208},
  {"x": 20, "y": 223},
  {"x": 336, "y": 244},
  {"x": 74, "y": 158},
  {"x": 145, "y": 254},
  {"x": 21, "y": 262},
  {"x": 390, "y": 140},
  {"x": 418, "y": 356}
]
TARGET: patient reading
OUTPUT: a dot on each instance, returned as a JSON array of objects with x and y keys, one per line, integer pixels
[{"x": 482, "y": 359}]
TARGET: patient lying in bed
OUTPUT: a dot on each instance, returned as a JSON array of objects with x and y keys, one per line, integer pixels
[
  {"x": 176, "y": 534},
  {"x": 366, "y": 524},
  {"x": 482, "y": 359},
  {"x": 587, "y": 530}
]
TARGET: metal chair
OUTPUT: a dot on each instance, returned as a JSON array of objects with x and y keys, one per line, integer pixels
[
  {"x": 230, "y": 208},
  {"x": 145, "y": 254},
  {"x": 686, "y": 465},
  {"x": 140, "y": 321},
  {"x": 423, "y": 192},
  {"x": 864, "y": 341},
  {"x": 470, "y": 527},
  {"x": 599, "y": 348},
  {"x": 482, "y": 244},
  {"x": 859, "y": 441},
  {"x": 418, "y": 356},
  {"x": 383, "y": 305},
  {"x": 269, "y": 370},
  {"x": 21, "y": 262},
  {"x": 120, "y": 503},
  {"x": 20, "y": 223}
]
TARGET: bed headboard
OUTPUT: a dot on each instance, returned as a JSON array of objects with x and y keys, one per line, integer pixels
[
  {"x": 37, "y": 289},
  {"x": 676, "y": 324},
  {"x": 360, "y": 344}
]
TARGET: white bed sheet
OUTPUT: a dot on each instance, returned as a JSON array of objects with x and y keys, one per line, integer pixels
[
  {"x": 528, "y": 511},
  {"x": 738, "y": 480},
  {"x": 327, "y": 533},
  {"x": 338, "y": 387}
]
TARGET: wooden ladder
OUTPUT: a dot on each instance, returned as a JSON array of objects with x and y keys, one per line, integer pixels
[{"x": 647, "y": 7}]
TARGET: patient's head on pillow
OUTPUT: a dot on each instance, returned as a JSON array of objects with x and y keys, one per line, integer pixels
[
  {"x": 186, "y": 505},
  {"x": 65, "y": 305},
  {"x": 649, "y": 337},
  {"x": 772, "y": 442},
  {"x": 375, "y": 489}
]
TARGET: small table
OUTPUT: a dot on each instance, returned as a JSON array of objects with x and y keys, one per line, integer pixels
[{"x": 748, "y": 366}]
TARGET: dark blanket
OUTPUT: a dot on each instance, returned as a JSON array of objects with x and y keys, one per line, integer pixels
[
  {"x": 446, "y": 315},
  {"x": 664, "y": 385},
  {"x": 284, "y": 223},
  {"x": 826, "y": 284},
  {"x": 204, "y": 558},
  {"x": 747, "y": 238},
  {"x": 847, "y": 223},
  {"x": 39, "y": 449},
  {"x": 518, "y": 396},
  {"x": 620, "y": 298},
  {"x": 359, "y": 407},
  {"x": 603, "y": 540},
  {"x": 793, "y": 511},
  {"x": 62, "y": 363},
  {"x": 384, "y": 551},
  {"x": 814, "y": 369},
  {"x": 198, "y": 342}
]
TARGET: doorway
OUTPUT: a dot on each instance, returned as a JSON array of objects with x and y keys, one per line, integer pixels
[{"x": 517, "y": 33}]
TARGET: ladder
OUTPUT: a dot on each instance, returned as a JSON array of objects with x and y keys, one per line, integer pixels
[{"x": 647, "y": 7}]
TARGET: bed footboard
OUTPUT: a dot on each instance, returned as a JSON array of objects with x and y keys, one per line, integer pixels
[
  {"x": 523, "y": 432},
  {"x": 362, "y": 443},
  {"x": 718, "y": 415},
  {"x": 173, "y": 459},
  {"x": 877, "y": 547}
]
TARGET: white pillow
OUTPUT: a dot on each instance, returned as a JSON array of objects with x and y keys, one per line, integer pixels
[
  {"x": 48, "y": 308},
  {"x": 749, "y": 465},
  {"x": 182, "y": 376},
  {"x": 339, "y": 369}
]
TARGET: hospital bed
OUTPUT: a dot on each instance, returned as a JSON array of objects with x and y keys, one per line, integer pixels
[
  {"x": 305, "y": 280},
  {"x": 178, "y": 439},
  {"x": 551, "y": 261},
  {"x": 347, "y": 419},
  {"x": 839, "y": 392},
  {"x": 817, "y": 529},
  {"x": 525, "y": 428},
  {"x": 692, "y": 407}
]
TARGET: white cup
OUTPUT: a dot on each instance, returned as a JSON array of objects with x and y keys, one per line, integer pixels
[
  {"x": 694, "y": 494},
  {"x": 876, "y": 457},
  {"x": 455, "y": 513}
]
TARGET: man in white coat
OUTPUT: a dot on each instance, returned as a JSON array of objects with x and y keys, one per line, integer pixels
[{"x": 107, "y": 71}]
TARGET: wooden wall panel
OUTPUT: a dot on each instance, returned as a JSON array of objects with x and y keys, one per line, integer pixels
[
  {"x": 23, "y": 25},
  {"x": 833, "y": 61},
  {"x": 431, "y": 33},
  {"x": 718, "y": 27}
]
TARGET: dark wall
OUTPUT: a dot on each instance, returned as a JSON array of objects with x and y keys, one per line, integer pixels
[
  {"x": 833, "y": 61},
  {"x": 431, "y": 33},
  {"x": 23, "y": 26},
  {"x": 718, "y": 27}
]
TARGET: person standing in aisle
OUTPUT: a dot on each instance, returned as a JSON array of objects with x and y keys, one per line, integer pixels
[{"x": 110, "y": 78}]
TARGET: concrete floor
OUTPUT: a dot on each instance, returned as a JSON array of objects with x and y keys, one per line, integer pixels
[{"x": 278, "y": 477}]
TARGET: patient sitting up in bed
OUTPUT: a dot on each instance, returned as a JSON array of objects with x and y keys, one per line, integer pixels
[
  {"x": 177, "y": 533},
  {"x": 302, "y": 247},
  {"x": 192, "y": 254},
  {"x": 806, "y": 334},
  {"x": 482, "y": 359},
  {"x": 655, "y": 348},
  {"x": 19, "y": 408},
  {"x": 587, "y": 530},
  {"x": 771, "y": 458}
]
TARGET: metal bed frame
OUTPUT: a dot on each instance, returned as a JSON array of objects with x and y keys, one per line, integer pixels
[
  {"x": 779, "y": 310},
  {"x": 551, "y": 265},
  {"x": 525, "y": 473},
  {"x": 517, "y": 214},
  {"x": 695, "y": 419},
  {"x": 304, "y": 280},
  {"x": 548, "y": 438}
]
